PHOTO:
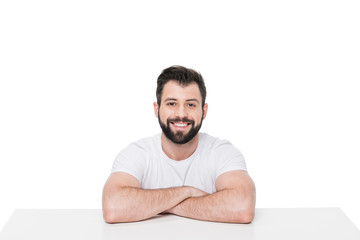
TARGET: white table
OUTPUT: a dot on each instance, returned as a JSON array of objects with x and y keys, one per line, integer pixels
[{"x": 277, "y": 224}]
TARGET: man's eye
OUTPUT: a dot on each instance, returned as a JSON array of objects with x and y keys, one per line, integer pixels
[
  {"x": 171, "y": 104},
  {"x": 191, "y": 105}
]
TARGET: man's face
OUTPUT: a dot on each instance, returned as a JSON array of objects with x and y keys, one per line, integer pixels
[{"x": 180, "y": 113}]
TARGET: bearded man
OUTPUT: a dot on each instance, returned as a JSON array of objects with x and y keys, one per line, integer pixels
[{"x": 180, "y": 171}]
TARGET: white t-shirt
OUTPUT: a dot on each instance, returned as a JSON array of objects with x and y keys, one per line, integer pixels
[{"x": 146, "y": 161}]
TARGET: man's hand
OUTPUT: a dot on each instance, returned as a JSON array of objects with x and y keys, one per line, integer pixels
[
  {"x": 233, "y": 202},
  {"x": 195, "y": 192},
  {"x": 125, "y": 201}
]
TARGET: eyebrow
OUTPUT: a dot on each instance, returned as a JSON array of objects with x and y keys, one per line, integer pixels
[
  {"x": 170, "y": 99},
  {"x": 193, "y": 100},
  {"x": 187, "y": 100}
]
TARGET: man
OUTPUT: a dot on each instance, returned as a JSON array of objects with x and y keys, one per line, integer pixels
[{"x": 180, "y": 171}]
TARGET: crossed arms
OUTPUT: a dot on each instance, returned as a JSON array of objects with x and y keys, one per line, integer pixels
[{"x": 234, "y": 200}]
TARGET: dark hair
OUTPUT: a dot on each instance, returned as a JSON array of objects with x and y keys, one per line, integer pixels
[{"x": 184, "y": 76}]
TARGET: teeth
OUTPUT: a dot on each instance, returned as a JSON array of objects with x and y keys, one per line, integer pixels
[{"x": 180, "y": 124}]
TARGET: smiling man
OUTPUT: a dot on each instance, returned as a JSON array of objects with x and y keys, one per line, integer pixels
[{"x": 180, "y": 171}]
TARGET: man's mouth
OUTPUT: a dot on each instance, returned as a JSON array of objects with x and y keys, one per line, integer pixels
[{"x": 181, "y": 124}]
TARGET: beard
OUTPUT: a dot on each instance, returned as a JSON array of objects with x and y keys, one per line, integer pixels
[{"x": 179, "y": 137}]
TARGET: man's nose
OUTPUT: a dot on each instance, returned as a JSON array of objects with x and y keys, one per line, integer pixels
[{"x": 180, "y": 112}]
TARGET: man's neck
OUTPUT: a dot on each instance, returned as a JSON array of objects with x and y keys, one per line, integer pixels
[{"x": 179, "y": 152}]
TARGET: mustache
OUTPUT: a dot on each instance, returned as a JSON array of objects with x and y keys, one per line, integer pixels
[{"x": 184, "y": 120}]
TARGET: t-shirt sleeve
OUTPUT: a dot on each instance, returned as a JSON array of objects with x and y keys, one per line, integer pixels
[
  {"x": 227, "y": 158},
  {"x": 131, "y": 160}
]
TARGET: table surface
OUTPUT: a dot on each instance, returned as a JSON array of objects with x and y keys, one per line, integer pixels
[{"x": 269, "y": 223}]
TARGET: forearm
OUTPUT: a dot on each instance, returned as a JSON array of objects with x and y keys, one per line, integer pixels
[
  {"x": 133, "y": 204},
  {"x": 222, "y": 206}
]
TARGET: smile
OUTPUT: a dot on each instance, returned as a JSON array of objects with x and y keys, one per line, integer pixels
[{"x": 180, "y": 124}]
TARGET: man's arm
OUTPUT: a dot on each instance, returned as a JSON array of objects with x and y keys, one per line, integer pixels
[
  {"x": 125, "y": 201},
  {"x": 234, "y": 201}
]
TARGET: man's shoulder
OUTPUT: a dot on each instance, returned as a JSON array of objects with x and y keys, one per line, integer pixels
[
  {"x": 222, "y": 151},
  {"x": 210, "y": 142}
]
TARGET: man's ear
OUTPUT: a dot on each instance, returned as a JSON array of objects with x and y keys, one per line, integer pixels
[
  {"x": 156, "y": 109},
  {"x": 205, "y": 109}
]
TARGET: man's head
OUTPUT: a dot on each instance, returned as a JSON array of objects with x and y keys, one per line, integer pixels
[
  {"x": 180, "y": 106},
  {"x": 183, "y": 76}
]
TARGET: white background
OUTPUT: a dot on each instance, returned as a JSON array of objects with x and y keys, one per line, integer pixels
[{"x": 78, "y": 80}]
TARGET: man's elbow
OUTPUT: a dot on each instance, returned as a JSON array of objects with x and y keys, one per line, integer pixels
[
  {"x": 109, "y": 214},
  {"x": 115, "y": 216},
  {"x": 245, "y": 216},
  {"x": 120, "y": 214},
  {"x": 245, "y": 209},
  {"x": 112, "y": 213},
  {"x": 109, "y": 217}
]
